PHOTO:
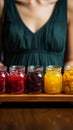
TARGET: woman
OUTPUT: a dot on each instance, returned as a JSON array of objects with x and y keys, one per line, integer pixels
[{"x": 36, "y": 32}]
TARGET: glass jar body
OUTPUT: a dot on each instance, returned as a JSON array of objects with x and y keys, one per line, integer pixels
[
  {"x": 68, "y": 80},
  {"x": 35, "y": 79},
  {"x": 3, "y": 74},
  {"x": 16, "y": 80},
  {"x": 53, "y": 80}
]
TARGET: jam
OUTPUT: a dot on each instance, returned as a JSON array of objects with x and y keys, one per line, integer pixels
[
  {"x": 16, "y": 80},
  {"x": 53, "y": 80},
  {"x": 35, "y": 79},
  {"x": 68, "y": 80},
  {"x": 3, "y": 73}
]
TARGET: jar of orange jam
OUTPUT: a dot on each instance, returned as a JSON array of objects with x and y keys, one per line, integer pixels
[
  {"x": 53, "y": 80},
  {"x": 68, "y": 79}
]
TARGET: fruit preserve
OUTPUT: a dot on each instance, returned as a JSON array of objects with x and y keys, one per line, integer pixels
[
  {"x": 16, "y": 80},
  {"x": 68, "y": 79},
  {"x": 35, "y": 79},
  {"x": 3, "y": 73},
  {"x": 53, "y": 80}
]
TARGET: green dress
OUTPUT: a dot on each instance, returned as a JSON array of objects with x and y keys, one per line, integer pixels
[{"x": 45, "y": 47}]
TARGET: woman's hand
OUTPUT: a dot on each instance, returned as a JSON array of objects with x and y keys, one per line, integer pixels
[{"x": 1, "y": 64}]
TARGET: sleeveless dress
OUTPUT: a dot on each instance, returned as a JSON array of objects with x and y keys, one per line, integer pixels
[{"x": 45, "y": 47}]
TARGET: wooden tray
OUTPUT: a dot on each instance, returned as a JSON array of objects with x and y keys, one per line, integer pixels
[{"x": 36, "y": 98}]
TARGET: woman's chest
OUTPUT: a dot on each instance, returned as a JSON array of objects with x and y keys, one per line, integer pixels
[{"x": 35, "y": 17}]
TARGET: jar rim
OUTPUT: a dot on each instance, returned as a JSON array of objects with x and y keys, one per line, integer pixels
[
  {"x": 53, "y": 67},
  {"x": 17, "y": 67},
  {"x": 68, "y": 67},
  {"x": 3, "y": 68},
  {"x": 31, "y": 68}
]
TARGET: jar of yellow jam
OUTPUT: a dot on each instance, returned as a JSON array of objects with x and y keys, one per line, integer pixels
[
  {"x": 53, "y": 80},
  {"x": 68, "y": 79}
]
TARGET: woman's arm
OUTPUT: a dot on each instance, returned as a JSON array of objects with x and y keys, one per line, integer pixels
[
  {"x": 1, "y": 17},
  {"x": 69, "y": 51}
]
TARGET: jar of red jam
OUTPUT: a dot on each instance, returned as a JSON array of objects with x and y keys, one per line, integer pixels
[
  {"x": 53, "y": 80},
  {"x": 35, "y": 79},
  {"x": 3, "y": 73},
  {"x": 16, "y": 81}
]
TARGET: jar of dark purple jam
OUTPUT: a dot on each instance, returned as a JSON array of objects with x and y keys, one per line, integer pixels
[
  {"x": 3, "y": 73},
  {"x": 16, "y": 80},
  {"x": 35, "y": 79}
]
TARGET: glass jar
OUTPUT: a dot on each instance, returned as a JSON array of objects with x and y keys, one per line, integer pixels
[
  {"x": 3, "y": 74},
  {"x": 16, "y": 81},
  {"x": 68, "y": 79},
  {"x": 35, "y": 79},
  {"x": 53, "y": 80}
]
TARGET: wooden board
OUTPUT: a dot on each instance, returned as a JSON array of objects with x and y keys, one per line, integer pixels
[{"x": 36, "y": 98}]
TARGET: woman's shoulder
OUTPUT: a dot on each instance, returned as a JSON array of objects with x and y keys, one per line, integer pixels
[{"x": 1, "y": 7}]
